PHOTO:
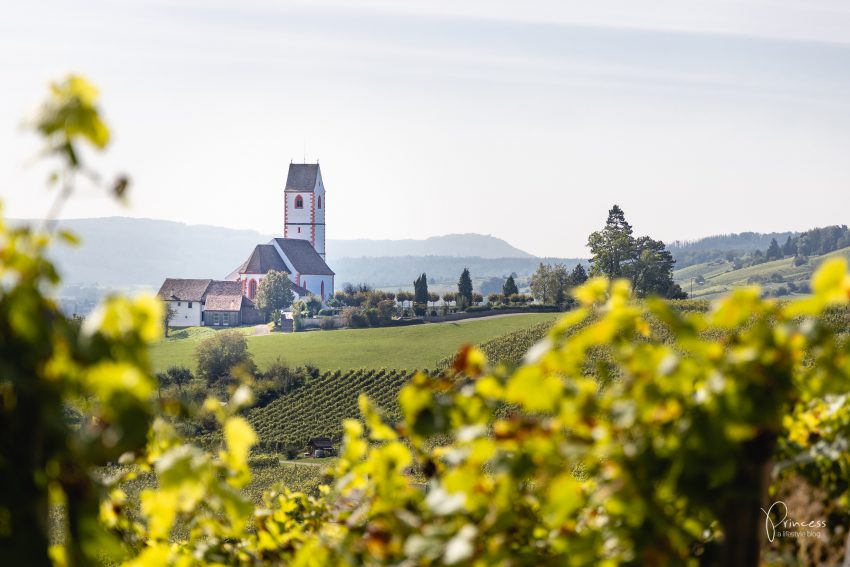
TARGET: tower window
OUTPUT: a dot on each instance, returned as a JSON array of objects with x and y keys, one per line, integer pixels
[
  {"x": 299, "y": 230},
  {"x": 299, "y": 202},
  {"x": 252, "y": 289},
  {"x": 320, "y": 201}
]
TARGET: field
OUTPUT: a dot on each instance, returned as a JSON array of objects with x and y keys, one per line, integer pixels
[
  {"x": 720, "y": 278},
  {"x": 417, "y": 346}
]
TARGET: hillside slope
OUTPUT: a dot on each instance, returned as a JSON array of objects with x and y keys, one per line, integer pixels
[{"x": 720, "y": 277}]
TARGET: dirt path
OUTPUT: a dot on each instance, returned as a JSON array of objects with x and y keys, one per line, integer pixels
[{"x": 261, "y": 330}]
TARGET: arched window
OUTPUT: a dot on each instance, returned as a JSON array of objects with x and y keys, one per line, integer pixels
[
  {"x": 299, "y": 202},
  {"x": 252, "y": 289},
  {"x": 320, "y": 201},
  {"x": 323, "y": 286}
]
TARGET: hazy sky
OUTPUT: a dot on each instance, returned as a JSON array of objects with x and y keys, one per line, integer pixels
[{"x": 525, "y": 120}]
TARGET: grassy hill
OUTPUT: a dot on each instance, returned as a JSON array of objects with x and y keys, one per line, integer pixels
[
  {"x": 417, "y": 346},
  {"x": 720, "y": 277}
]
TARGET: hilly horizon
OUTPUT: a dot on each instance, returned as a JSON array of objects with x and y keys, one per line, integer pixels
[{"x": 126, "y": 251}]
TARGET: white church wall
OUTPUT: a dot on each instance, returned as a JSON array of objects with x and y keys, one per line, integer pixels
[{"x": 314, "y": 285}]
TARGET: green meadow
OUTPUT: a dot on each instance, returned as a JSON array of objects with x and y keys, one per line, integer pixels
[{"x": 413, "y": 347}]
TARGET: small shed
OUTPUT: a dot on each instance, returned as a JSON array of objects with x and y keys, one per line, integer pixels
[{"x": 320, "y": 447}]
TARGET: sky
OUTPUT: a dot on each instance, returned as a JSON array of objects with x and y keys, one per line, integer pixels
[{"x": 524, "y": 120}]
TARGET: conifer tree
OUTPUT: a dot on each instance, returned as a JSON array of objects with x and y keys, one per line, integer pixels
[
  {"x": 773, "y": 251},
  {"x": 464, "y": 286},
  {"x": 509, "y": 287}
]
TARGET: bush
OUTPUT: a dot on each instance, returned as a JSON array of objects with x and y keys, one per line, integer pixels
[
  {"x": 357, "y": 320},
  {"x": 328, "y": 324},
  {"x": 219, "y": 355},
  {"x": 371, "y": 316},
  {"x": 385, "y": 311},
  {"x": 328, "y": 312}
]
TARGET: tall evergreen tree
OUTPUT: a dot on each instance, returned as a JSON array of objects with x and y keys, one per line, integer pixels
[
  {"x": 464, "y": 286},
  {"x": 510, "y": 288},
  {"x": 789, "y": 248},
  {"x": 774, "y": 252},
  {"x": 646, "y": 262},
  {"x": 420, "y": 289},
  {"x": 613, "y": 246},
  {"x": 578, "y": 276}
]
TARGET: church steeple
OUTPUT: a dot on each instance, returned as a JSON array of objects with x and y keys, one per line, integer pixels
[{"x": 305, "y": 201}]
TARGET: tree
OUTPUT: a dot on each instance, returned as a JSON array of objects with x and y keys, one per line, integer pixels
[
  {"x": 274, "y": 294},
  {"x": 774, "y": 252},
  {"x": 494, "y": 298},
  {"x": 477, "y": 298},
  {"x": 612, "y": 247},
  {"x": 179, "y": 376},
  {"x": 652, "y": 271},
  {"x": 449, "y": 297},
  {"x": 789, "y": 248},
  {"x": 510, "y": 288},
  {"x": 644, "y": 261},
  {"x": 578, "y": 276},
  {"x": 403, "y": 297},
  {"x": 221, "y": 354},
  {"x": 491, "y": 285},
  {"x": 433, "y": 297},
  {"x": 162, "y": 381},
  {"x": 549, "y": 284},
  {"x": 314, "y": 305},
  {"x": 168, "y": 315},
  {"x": 420, "y": 289},
  {"x": 464, "y": 286}
]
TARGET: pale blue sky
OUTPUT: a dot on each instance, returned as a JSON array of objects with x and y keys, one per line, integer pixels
[{"x": 523, "y": 120}]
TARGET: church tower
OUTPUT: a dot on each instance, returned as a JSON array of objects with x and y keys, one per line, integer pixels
[{"x": 304, "y": 210}]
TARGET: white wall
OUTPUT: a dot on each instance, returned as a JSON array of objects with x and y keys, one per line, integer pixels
[
  {"x": 314, "y": 285},
  {"x": 298, "y": 218},
  {"x": 184, "y": 315}
]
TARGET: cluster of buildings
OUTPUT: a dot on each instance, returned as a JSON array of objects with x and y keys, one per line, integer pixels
[{"x": 300, "y": 254}]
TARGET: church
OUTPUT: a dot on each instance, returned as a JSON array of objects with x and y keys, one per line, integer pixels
[{"x": 300, "y": 254}]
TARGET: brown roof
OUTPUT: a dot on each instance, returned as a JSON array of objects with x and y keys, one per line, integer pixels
[
  {"x": 302, "y": 177},
  {"x": 301, "y": 291},
  {"x": 174, "y": 289},
  {"x": 303, "y": 257},
  {"x": 262, "y": 260},
  {"x": 224, "y": 296}
]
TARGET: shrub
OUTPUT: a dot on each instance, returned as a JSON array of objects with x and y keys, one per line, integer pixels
[
  {"x": 385, "y": 311},
  {"x": 222, "y": 354},
  {"x": 372, "y": 317},
  {"x": 357, "y": 320},
  {"x": 328, "y": 324}
]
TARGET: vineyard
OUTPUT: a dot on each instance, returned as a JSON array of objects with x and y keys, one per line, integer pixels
[{"x": 319, "y": 407}]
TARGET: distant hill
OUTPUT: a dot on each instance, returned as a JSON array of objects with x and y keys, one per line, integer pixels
[
  {"x": 743, "y": 242},
  {"x": 779, "y": 277},
  {"x": 454, "y": 245},
  {"x": 124, "y": 252},
  {"x": 691, "y": 252},
  {"x": 395, "y": 271}
]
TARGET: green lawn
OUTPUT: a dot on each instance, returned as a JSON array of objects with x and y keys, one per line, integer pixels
[{"x": 417, "y": 346}]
